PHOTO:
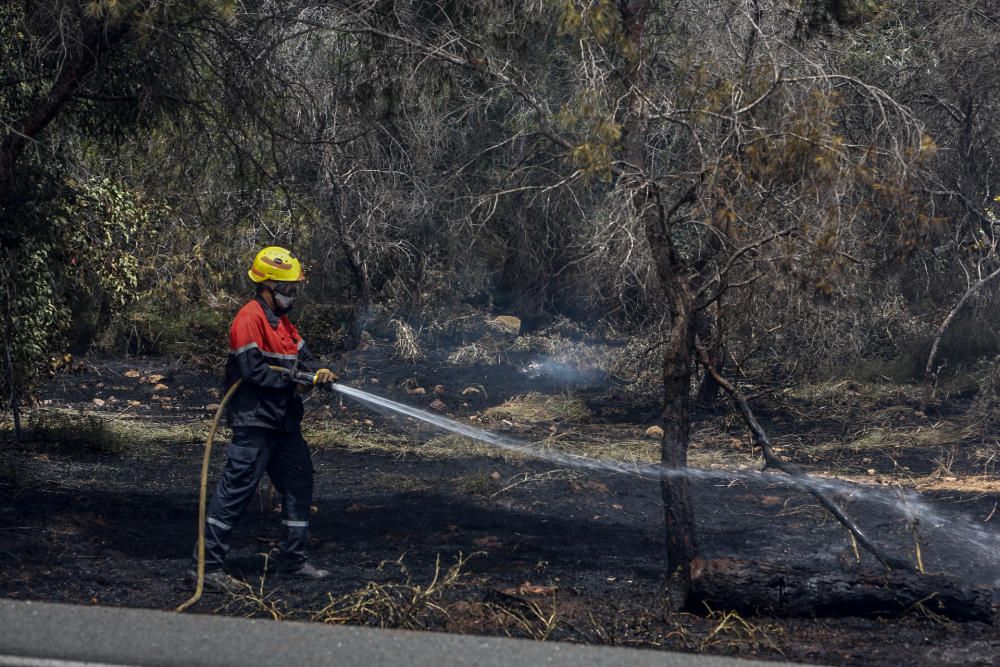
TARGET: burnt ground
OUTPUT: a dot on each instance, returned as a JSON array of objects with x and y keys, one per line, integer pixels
[{"x": 99, "y": 506}]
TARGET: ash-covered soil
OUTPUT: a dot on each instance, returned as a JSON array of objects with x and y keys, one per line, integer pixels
[{"x": 545, "y": 551}]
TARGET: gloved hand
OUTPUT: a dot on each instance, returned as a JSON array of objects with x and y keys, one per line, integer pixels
[{"x": 325, "y": 376}]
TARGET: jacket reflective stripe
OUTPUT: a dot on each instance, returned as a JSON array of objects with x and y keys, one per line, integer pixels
[
  {"x": 295, "y": 524},
  {"x": 220, "y": 524},
  {"x": 276, "y": 355}
]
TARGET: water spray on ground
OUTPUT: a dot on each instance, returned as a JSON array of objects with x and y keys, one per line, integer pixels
[{"x": 908, "y": 503}]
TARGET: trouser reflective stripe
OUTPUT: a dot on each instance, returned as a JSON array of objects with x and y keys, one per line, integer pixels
[
  {"x": 285, "y": 458},
  {"x": 215, "y": 522}
]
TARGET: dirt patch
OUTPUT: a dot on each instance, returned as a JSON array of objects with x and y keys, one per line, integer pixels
[{"x": 425, "y": 531}]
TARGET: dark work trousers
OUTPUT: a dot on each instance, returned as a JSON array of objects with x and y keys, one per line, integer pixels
[{"x": 285, "y": 458}]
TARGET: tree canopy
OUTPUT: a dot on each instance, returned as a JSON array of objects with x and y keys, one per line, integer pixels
[{"x": 776, "y": 188}]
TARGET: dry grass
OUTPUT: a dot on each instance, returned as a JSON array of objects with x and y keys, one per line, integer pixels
[
  {"x": 732, "y": 631},
  {"x": 612, "y": 447},
  {"x": 484, "y": 351},
  {"x": 338, "y": 434},
  {"x": 405, "y": 604},
  {"x": 363, "y": 439},
  {"x": 854, "y": 392},
  {"x": 550, "y": 344},
  {"x": 883, "y": 428},
  {"x": 710, "y": 448},
  {"x": 535, "y": 408},
  {"x": 111, "y": 433},
  {"x": 596, "y": 443},
  {"x": 253, "y": 600},
  {"x": 636, "y": 362},
  {"x": 528, "y": 617},
  {"x": 559, "y": 349},
  {"x": 474, "y": 485},
  {"x": 881, "y": 438}
]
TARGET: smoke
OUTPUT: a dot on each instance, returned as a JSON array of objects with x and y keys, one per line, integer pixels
[{"x": 563, "y": 373}]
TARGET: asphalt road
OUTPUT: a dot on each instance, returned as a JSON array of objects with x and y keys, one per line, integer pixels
[{"x": 36, "y": 634}]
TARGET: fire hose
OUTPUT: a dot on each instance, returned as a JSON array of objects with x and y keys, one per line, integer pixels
[{"x": 298, "y": 377}]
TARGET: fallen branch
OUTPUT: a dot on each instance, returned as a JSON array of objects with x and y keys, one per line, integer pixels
[{"x": 771, "y": 460}]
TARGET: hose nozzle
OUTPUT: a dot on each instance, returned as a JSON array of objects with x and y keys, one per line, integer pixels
[
  {"x": 309, "y": 379},
  {"x": 305, "y": 378}
]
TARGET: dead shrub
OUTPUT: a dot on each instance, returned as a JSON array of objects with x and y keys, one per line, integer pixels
[
  {"x": 781, "y": 332},
  {"x": 251, "y": 601},
  {"x": 486, "y": 350},
  {"x": 637, "y": 364},
  {"x": 406, "y": 346},
  {"x": 406, "y": 605},
  {"x": 526, "y": 617}
]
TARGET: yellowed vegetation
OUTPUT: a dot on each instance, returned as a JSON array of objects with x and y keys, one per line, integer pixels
[
  {"x": 111, "y": 432},
  {"x": 533, "y": 408}
]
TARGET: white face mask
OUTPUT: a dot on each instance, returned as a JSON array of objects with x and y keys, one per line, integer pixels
[{"x": 284, "y": 303}]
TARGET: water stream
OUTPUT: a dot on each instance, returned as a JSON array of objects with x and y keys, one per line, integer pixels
[{"x": 907, "y": 504}]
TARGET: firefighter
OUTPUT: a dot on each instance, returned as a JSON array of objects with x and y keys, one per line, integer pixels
[{"x": 265, "y": 414}]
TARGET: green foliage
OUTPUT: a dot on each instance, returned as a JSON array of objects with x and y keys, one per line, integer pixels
[
  {"x": 81, "y": 250},
  {"x": 492, "y": 183},
  {"x": 588, "y": 117},
  {"x": 108, "y": 229},
  {"x": 193, "y": 332}
]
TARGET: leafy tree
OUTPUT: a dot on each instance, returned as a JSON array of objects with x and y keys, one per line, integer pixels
[
  {"x": 732, "y": 156},
  {"x": 79, "y": 78}
]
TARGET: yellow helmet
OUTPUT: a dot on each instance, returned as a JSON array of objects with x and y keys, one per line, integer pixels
[{"x": 275, "y": 263}]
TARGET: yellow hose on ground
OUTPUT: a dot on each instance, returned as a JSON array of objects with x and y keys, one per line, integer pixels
[
  {"x": 203, "y": 494},
  {"x": 203, "y": 497}
]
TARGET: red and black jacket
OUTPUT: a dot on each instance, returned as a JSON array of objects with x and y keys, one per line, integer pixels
[{"x": 267, "y": 398}]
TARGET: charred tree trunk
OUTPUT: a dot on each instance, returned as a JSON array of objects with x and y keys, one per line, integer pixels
[
  {"x": 677, "y": 357},
  {"x": 802, "y": 589},
  {"x": 678, "y": 512}
]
